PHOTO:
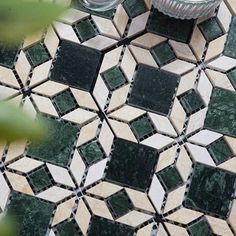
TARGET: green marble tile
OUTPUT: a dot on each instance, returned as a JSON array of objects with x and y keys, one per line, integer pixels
[
  {"x": 104, "y": 227},
  {"x": 32, "y": 214},
  {"x": 114, "y": 78},
  {"x": 232, "y": 77},
  {"x": 134, "y": 7},
  {"x": 210, "y": 29},
  {"x": 170, "y": 177},
  {"x": 192, "y": 102},
  {"x": 220, "y": 151},
  {"x": 141, "y": 127},
  {"x": 120, "y": 204},
  {"x": 65, "y": 102},
  {"x": 38, "y": 54},
  {"x": 179, "y": 30},
  {"x": 200, "y": 228},
  {"x": 231, "y": 40},
  {"x": 85, "y": 30},
  {"x": 210, "y": 190},
  {"x": 153, "y": 89},
  {"x": 8, "y": 55},
  {"x": 91, "y": 152},
  {"x": 221, "y": 115},
  {"x": 67, "y": 70},
  {"x": 163, "y": 54},
  {"x": 57, "y": 148},
  {"x": 39, "y": 179},
  {"x": 131, "y": 164},
  {"x": 68, "y": 228}
]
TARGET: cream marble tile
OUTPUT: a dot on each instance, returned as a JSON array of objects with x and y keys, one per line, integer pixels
[
  {"x": 184, "y": 164},
  {"x": 100, "y": 42},
  {"x": 138, "y": 24},
  {"x": 146, "y": 230},
  {"x": 229, "y": 165},
  {"x": 98, "y": 207},
  {"x": 176, "y": 230},
  {"x": 156, "y": 193},
  {"x": 148, "y": 4},
  {"x": 29, "y": 108},
  {"x": 84, "y": 99},
  {"x": 51, "y": 233},
  {"x": 16, "y": 101},
  {"x": 2, "y": 148},
  {"x": 32, "y": 39},
  {"x": 219, "y": 79},
  {"x": 232, "y": 143},
  {"x": 120, "y": 19},
  {"x": 7, "y": 77},
  {"x": 222, "y": 63},
  {"x": 128, "y": 64},
  {"x": 88, "y": 132},
  {"x": 184, "y": 216},
  {"x": 166, "y": 158},
  {"x": 95, "y": 172},
  {"x": 50, "y": 88},
  {"x": 80, "y": 116},
  {"x": 44, "y": 105},
  {"x": 178, "y": 67},
  {"x": 6, "y": 92},
  {"x": 51, "y": 41},
  {"x": 63, "y": 211},
  {"x": 82, "y": 219},
  {"x": 106, "y": 27},
  {"x": 161, "y": 231},
  {"x": 5, "y": 192},
  {"x": 140, "y": 200},
  {"x": 60, "y": 175},
  {"x": 198, "y": 43},
  {"x": 77, "y": 167},
  {"x": 232, "y": 6},
  {"x": 232, "y": 216},
  {"x": 66, "y": 32},
  {"x": 224, "y": 16},
  {"x": 19, "y": 183},
  {"x": 104, "y": 189},
  {"x": 25, "y": 164},
  {"x": 219, "y": 226},
  {"x": 143, "y": 56},
  {"x": 148, "y": 40},
  {"x": 118, "y": 97},
  {"x": 127, "y": 113},
  {"x": 106, "y": 138},
  {"x": 175, "y": 198},
  {"x": 73, "y": 15},
  {"x": 200, "y": 154},
  {"x": 54, "y": 194},
  {"x": 158, "y": 141},
  {"x": 183, "y": 51}
]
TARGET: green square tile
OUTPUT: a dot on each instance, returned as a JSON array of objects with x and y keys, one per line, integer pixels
[
  {"x": 64, "y": 102},
  {"x": 191, "y": 102},
  {"x": 59, "y": 144},
  {"x": 114, "y": 78},
  {"x": 153, "y": 90},
  {"x": 91, "y": 152},
  {"x": 220, "y": 151},
  {"x": 210, "y": 190},
  {"x": 172, "y": 28},
  {"x": 38, "y": 54},
  {"x": 141, "y": 127},
  {"x": 31, "y": 213},
  {"x": 163, "y": 54},
  {"x": 231, "y": 40},
  {"x": 8, "y": 55},
  {"x": 68, "y": 229},
  {"x": 120, "y": 204},
  {"x": 39, "y": 179},
  {"x": 132, "y": 164},
  {"x": 134, "y": 7},
  {"x": 221, "y": 115},
  {"x": 211, "y": 29},
  {"x": 232, "y": 77},
  {"x": 200, "y": 228},
  {"x": 170, "y": 177},
  {"x": 85, "y": 30}
]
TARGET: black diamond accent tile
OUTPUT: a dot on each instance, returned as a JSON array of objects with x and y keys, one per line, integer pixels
[
  {"x": 76, "y": 65},
  {"x": 221, "y": 116},
  {"x": 153, "y": 89},
  {"x": 210, "y": 190},
  {"x": 179, "y": 30},
  {"x": 200, "y": 228},
  {"x": 58, "y": 147},
  {"x": 134, "y": 7},
  {"x": 231, "y": 40},
  {"x": 68, "y": 228},
  {"x": 131, "y": 164},
  {"x": 32, "y": 214},
  {"x": 8, "y": 55}
]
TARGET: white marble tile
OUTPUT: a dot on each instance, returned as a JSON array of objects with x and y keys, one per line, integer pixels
[
  {"x": 222, "y": 63},
  {"x": 232, "y": 143},
  {"x": 120, "y": 19},
  {"x": 176, "y": 230},
  {"x": 232, "y": 216},
  {"x": 73, "y": 15},
  {"x": 7, "y": 77},
  {"x": 5, "y": 192},
  {"x": 224, "y": 16},
  {"x": 100, "y": 42},
  {"x": 229, "y": 165},
  {"x": 6, "y": 92},
  {"x": 51, "y": 41},
  {"x": 146, "y": 230}
]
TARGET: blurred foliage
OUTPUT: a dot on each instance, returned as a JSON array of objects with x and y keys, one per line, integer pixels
[{"x": 7, "y": 226}]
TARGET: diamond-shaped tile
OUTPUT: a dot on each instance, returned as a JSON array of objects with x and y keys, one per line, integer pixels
[
  {"x": 134, "y": 7},
  {"x": 8, "y": 55},
  {"x": 231, "y": 40},
  {"x": 68, "y": 228},
  {"x": 200, "y": 228}
]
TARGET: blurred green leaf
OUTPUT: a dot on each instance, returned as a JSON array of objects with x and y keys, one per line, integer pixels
[
  {"x": 7, "y": 226},
  {"x": 16, "y": 124},
  {"x": 19, "y": 18}
]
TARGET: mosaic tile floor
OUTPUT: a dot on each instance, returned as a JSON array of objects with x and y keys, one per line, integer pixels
[{"x": 142, "y": 125}]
